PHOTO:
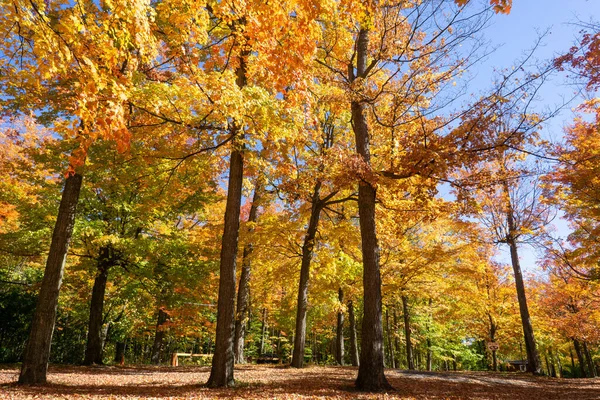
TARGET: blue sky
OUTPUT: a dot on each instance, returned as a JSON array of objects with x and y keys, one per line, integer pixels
[{"x": 515, "y": 34}]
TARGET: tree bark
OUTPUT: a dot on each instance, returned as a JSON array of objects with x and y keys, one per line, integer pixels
[
  {"x": 371, "y": 375},
  {"x": 263, "y": 329},
  {"x": 391, "y": 355},
  {"x": 244, "y": 286},
  {"x": 158, "y": 337},
  {"x": 221, "y": 373},
  {"x": 407, "y": 331},
  {"x": 493, "y": 330},
  {"x": 307, "y": 253},
  {"x": 353, "y": 340},
  {"x": 396, "y": 339},
  {"x": 222, "y": 364},
  {"x": 561, "y": 372},
  {"x": 120, "y": 353},
  {"x": 552, "y": 364},
  {"x": 339, "y": 340},
  {"x": 37, "y": 350},
  {"x": 94, "y": 345},
  {"x": 429, "y": 355},
  {"x": 590, "y": 361},
  {"x": 533, "y": 358},
  {"x": 580, "y": 358},
  {"x": 429, "y": 351}
]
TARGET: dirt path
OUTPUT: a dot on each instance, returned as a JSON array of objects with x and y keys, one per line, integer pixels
[{"x": 255, "y": 382}]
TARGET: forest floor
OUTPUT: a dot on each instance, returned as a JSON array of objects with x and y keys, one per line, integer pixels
[{"x": 277, "y": 382}]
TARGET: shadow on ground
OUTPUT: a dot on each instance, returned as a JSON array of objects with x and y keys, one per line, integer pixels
[{"x": 255, "y": 382}]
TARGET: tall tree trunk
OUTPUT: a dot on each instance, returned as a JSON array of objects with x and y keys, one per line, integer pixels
[
  {"x": 552, "y": 364},
  {"x": 533, "y": 358},
  {"x": 392, "y": 356},
  {"x": 550, "y": 356},
  {"x": 37, "y": 350},
  {"x": 371, "y": 375},
  {"x": 429, "y": 352},
  {"x": 244, "y": 286},
  {"x": 307, "y": 253},
  {"x": 590, "y": 361},
  {"x": 493, "y": 330},
  {"x": 120, "y": 353},
  {"x": 560, "y": 372},
  {"x": 221, "y": 373},
  {"x": 263, "y": 329},
  {"x": 407, "y": 331},
  {"x": 396, "y": 339},
  {"x": 353, "y": 340},
  {"x": 339, "y": 340},
  {"x": 580, "y": 358},
  {"x": 429, "y": 355},
  {"x": 159, "y": 336},
  {"x": 94, "y": 345}
]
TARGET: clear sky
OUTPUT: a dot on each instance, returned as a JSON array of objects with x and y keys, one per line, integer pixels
[{"x": 515, "y": 34}]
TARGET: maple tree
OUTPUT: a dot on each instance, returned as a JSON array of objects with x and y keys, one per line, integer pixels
[
  {"x": 45, "y": 43},
  {"x": 369, "y": 61},
  {"x": 572, "y": 185}
]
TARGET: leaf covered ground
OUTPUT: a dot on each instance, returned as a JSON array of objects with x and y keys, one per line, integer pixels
[{"x": 275, "y": 382}]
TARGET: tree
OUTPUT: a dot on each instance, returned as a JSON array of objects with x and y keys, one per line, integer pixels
[
  {"x": 368, "y": 62},
  {"x": 243, "y": 296},
  {"x": 572, "y": 185},
  {"x": 66, "y": 69},
  {"x": 329, "y": 138}
]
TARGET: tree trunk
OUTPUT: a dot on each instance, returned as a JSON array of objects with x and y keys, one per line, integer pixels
[
  {"x": 552, "y": 364},
  {"x": 353, "y": 340},
  {"x": 244, "y": 286},
  {"x": 371, "y": 375},
  {"x": 93, "y": 350},
  {"x": 37, "y": 350},
  {"x": 580, "y": 358},
  {"x": 158, "y": 336},
  {"x": 533, "y": 358},
  {"x": 391, "y": 355},
  {"x": 221, "y": 373},
  {"x": 307, "y": 253},
  {"x": 493, "y": 330},
  {"x": 262, "y": 332},
  {"x": 590, "y": 361},
  {"x": 339, "y": 340},
  {"x": 429, "y": 355},
  {"x": 560, "y": 372},
  {"x": 396, "y": 340},
  {"x": 407, "y": 331},
  {"x": 120, "y": 353},
  {"x": 429, "y": 352}
]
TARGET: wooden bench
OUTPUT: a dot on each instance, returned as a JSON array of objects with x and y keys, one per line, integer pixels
[{"x": 175, "y": 357}]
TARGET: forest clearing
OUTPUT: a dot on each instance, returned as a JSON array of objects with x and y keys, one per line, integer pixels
[
  {"x": 299, "y": 198},
  {"x": 277, "y": 382}
]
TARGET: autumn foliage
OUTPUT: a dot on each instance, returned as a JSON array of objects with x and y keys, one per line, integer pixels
[{"x": 299, "y": 182}]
